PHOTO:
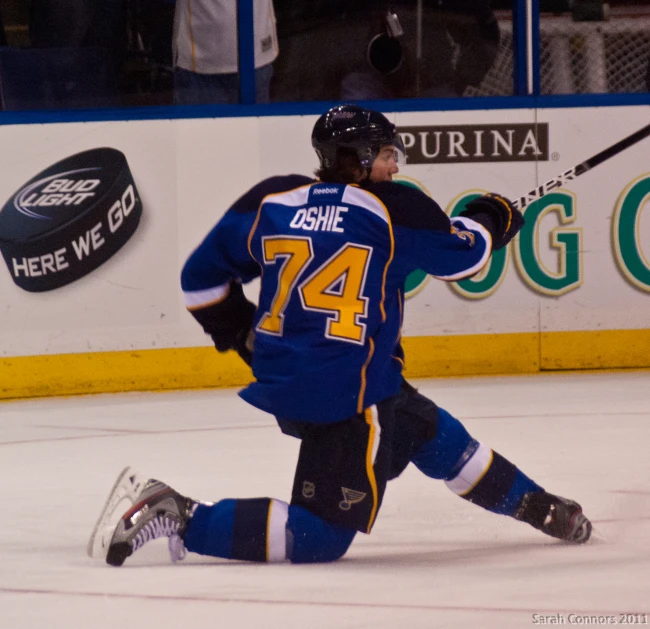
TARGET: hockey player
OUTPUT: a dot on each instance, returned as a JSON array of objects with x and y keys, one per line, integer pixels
[{"x": 333, "y": 254}]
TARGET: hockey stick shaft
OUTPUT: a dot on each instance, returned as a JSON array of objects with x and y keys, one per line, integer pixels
[{"x": 522, "y": 202}]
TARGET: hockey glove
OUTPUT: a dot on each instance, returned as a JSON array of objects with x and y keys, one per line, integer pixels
[
  {"x": 244, "y": 345},
  {"x": 497, "y": 215},
  {"x": 229, "y": 322}
]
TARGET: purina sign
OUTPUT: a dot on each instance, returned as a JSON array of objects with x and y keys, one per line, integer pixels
[{"x": 455, "y": 144}]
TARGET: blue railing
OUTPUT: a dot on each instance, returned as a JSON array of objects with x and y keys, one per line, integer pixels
[{"x": 526, "y": 87}]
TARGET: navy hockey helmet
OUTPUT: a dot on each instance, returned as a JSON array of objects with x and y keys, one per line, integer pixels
[{"x": 349, "y": 126}]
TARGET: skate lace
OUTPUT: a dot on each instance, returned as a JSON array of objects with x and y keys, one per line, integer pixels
[
  {"x": 160, "y": 526},
  {"x": 177, "y": 550}
]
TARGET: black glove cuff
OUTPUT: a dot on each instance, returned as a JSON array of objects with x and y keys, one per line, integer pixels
[
  {"x": 506, "y": 219},
  {"x": 244, "y": 346},
  {"x": 483, "y": 219},
  {"x": 227, "y": 320}
]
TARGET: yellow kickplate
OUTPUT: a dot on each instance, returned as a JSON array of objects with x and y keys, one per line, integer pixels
[
  {"x": 426, "y": 357},
  {"x": 597, "y": 349}
]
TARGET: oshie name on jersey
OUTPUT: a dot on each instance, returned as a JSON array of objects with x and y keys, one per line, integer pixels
[{"x": 325, "y": 218}]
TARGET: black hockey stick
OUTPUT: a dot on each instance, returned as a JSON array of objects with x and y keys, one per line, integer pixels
[{"x": 581, "y": 169}]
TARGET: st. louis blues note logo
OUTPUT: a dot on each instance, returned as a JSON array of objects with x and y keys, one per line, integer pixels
[
  {"x": 463, "y": 235},
  {"x": 350, "y": 497}
]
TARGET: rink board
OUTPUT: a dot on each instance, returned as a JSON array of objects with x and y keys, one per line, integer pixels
[
  {"x": 202, "y": 367},
  {"x": 571, "y": 292}
]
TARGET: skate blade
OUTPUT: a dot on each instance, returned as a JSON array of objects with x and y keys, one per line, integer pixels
[{"x": 124, "y": 492}]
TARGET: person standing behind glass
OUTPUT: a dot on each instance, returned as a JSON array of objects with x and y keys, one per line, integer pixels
[{"x": 205, "y": 47}]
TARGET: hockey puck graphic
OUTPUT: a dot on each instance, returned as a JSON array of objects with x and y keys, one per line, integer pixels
[{"x": 69, "y": 219}]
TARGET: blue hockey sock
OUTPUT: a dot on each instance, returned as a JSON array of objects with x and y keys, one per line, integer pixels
[
  {"x": 490, "y": 481},
  {"x": 438, "y": 457},
  {"x": 471, "y": 469},
  {"x": 247, "y": 529},
  {"x": 264, "y": 529},
  {"x": 313, "y": 540}
]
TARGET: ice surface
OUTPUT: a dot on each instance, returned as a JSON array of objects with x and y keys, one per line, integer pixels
[{"x": 433, "y": 560}]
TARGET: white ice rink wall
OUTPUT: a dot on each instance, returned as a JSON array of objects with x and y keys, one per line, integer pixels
[{"x": 572, "y": 291}]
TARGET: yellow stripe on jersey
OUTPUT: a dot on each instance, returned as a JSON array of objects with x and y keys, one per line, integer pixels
[
  {"x": 268, "y": 530},
  {"x": 373, "y": 427},
  {"x": 383, "y": 280},
  {"x": 362, "y": 389}
]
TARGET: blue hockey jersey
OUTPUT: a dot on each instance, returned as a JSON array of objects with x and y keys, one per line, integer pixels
[{"x": 333, "y": 260}]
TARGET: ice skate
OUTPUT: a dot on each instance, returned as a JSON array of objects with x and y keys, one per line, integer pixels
[
  {"x": 137, "y": 511},
  {"x": 555, "y": 516}
]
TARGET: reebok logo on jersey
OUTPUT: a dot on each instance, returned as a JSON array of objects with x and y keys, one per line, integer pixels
[{"x": 325, "y": 191}]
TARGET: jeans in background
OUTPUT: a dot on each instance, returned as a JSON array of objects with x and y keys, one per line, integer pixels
[{"x": 191, "y": 88}]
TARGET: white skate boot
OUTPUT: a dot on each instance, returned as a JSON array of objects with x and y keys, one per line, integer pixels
[{"x": 138, "y": 510}]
